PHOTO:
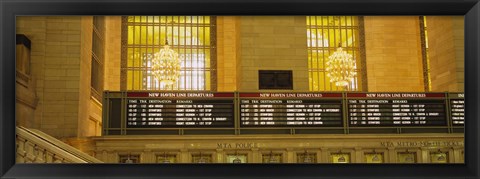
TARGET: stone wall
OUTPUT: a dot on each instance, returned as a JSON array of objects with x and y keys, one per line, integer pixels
[
  {"x": 273, "y": 43},
  {"x": 446, "y": 52},
  {"x": 25, "y": 94},
  {"x": 61, "y": 56},
  {"x": 227, "y": 52},
  {"x": 55, "y": 59},
  {"x": 393, "y": 54},
  {"x": 84, "y": 118},
  {"x": 113, "y": 43}
]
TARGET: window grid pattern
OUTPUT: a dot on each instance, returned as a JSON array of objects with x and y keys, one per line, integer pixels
[
  {"x": 324, "y": 34},
  {"x": 190, "y": 36},
  {"x": 98, "y": 57}
]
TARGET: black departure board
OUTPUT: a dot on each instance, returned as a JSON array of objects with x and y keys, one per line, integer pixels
[
  {"x": 396, "y": 109},
  {"x": 184, "y": 113},
  {"x": 457, "y": 108},
  {"x": 179, "y": 110},
  {"x": 290, "y": 109}
]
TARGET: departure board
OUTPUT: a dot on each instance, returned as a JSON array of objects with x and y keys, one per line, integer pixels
[
  {"x": 457, "y": 108},
  {"x": 396, "y": 109},
  {"x": 179, "y": 110},
  {"x": 290, "y": 109},
  {"x": 190, "y": 112}
]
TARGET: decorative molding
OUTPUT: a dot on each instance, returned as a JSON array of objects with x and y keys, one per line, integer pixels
[
  {"x": 33, "y": 104},
  {"x": 94, "y": 99},
  {"x": 22, "y": 78}
]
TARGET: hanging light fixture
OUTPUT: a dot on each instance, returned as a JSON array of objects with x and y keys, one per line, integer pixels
[
  {"x": 165, "y": 158},
  {"x": 201, "y": 160},
  {"x": 272, "y": 158},
  {"x": 375, "y": 157},
  {"x": 409, "y": 158},
  {"x": 341, "y": 159},
  {"x": 441, "y": 156},
  {"x": 128, "y": 159},
  {"x": 340, "y": 65},
  {"x": 237, "y": 160},
  {"x": 306, "y": 157},
  {"x": 166, "y": 66}
]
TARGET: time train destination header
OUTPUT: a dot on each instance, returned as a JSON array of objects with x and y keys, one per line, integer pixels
[{"x": 150, "y": 110}]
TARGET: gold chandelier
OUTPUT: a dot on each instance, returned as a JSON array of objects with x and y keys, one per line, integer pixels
[
  {"x": 166, "y": 66},
  {"x": 340, "y": 67}
]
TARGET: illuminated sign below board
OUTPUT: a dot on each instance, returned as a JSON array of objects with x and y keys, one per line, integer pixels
[
  {"x": 396, "y": 109},
  {"x": 290, "y": 109},
  {"x": 179, "y": 110}
]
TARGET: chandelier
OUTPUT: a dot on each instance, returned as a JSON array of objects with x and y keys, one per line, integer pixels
[
  {"x": 237, "y": 160},
  {"x": 165, "y": 158},
  {"x": 166, "y": 66},
  {"x": 307, "y": 158},
  {"x": 340, "y": 67},
  {"x": 201, "y": 160},
  {"x": 272, "y": 158}
]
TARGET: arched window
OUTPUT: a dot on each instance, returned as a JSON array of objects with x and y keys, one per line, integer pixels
[
  {"x": 192, "y": 37},
  {"x": 324, "y": 34}
]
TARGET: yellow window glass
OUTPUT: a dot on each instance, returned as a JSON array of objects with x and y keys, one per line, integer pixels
[
  {"x": 188, "y": 36},
  {"x": 324, "y": 35}
]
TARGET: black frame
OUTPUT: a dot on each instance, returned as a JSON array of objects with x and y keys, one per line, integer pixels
[
  {"x": 10, "y": 9},
  {"x": 264, "y": 80}
]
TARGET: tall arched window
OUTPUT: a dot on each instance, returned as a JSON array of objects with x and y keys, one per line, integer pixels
[
  {"x": 324, "y": 35},
  {"x": 192, "y": 37}
]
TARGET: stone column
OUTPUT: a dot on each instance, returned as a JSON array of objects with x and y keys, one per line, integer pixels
[
  {"x": 392, "y": 156},
  {"x": 220, "y": 156},
  {"x": 184, "y": 156},
  {"x": 290, "y": 156},
  {"x": 424, "y": 155},
  {"x": 394, "y": 61},
  {"x": 148, "y": 157},
  {"x": 358, "y": 156},
  {"x": 256, "y": 157},
  {"x": 323, "y": 156},
  {"x": 446, "y": 52}
]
